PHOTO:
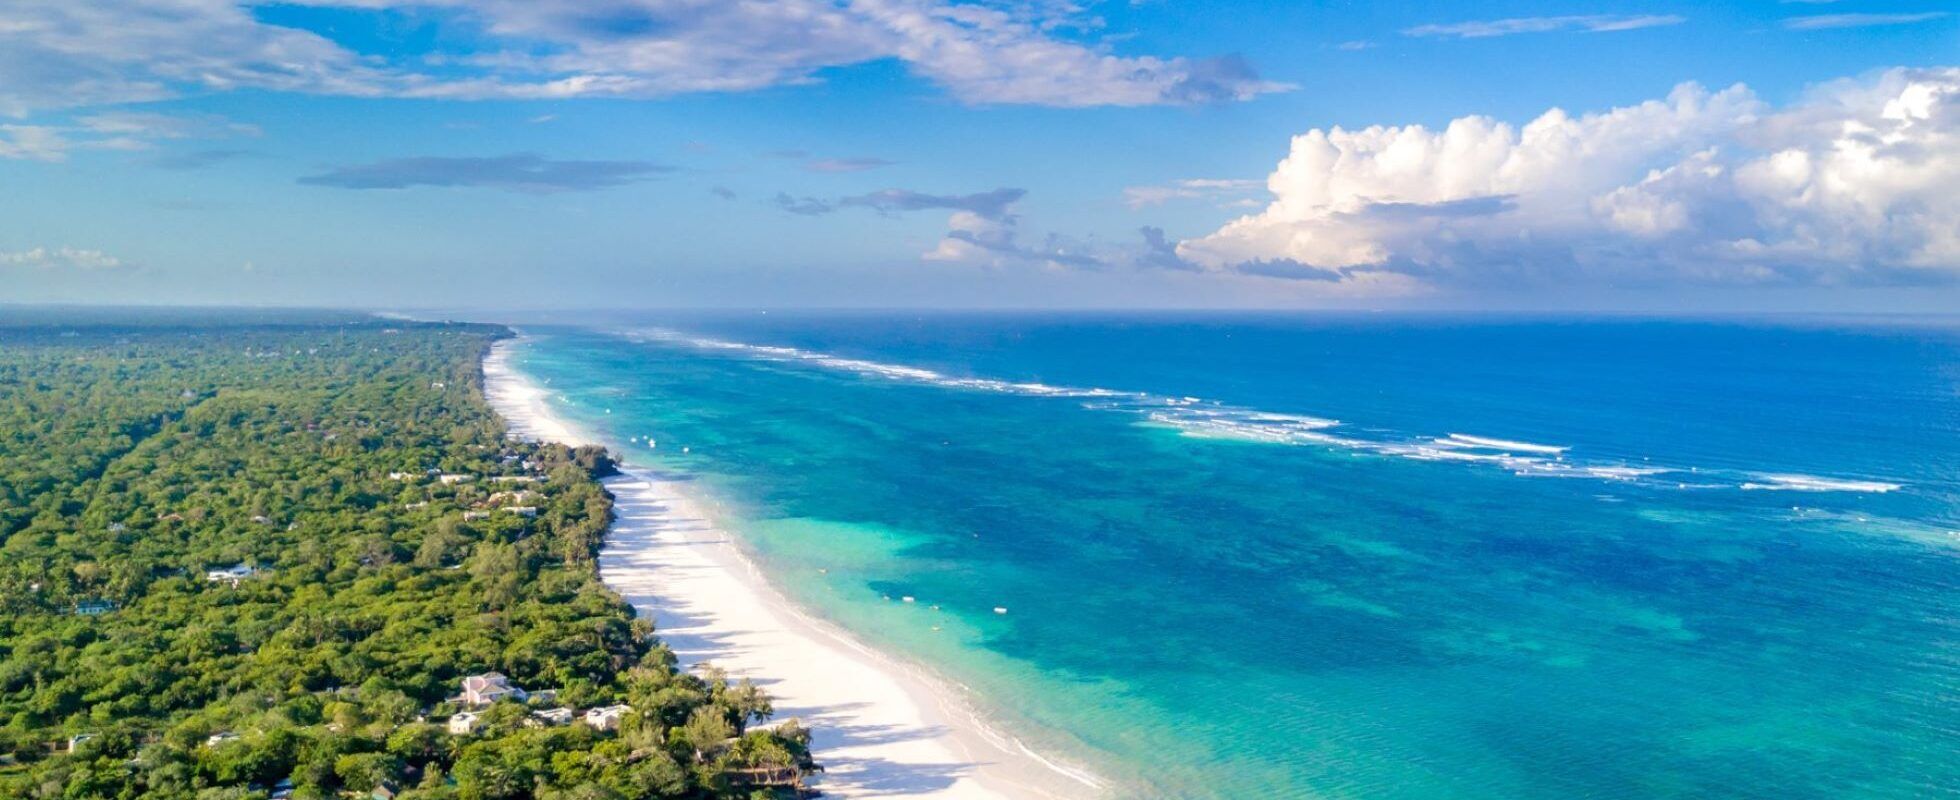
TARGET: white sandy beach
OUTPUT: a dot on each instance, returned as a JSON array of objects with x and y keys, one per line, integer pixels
[{"x": 880, "y": 729}]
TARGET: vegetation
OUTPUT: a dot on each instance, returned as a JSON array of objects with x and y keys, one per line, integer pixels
[{"x": 308, "y": 456}]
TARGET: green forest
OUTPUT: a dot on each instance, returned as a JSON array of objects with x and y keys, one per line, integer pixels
[{"x": 256, "y": 558}]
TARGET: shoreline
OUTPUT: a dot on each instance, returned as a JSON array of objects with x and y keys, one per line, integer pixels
[{"x": 880, "y": 727}]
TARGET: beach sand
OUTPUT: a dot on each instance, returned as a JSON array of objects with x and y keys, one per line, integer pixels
[{"x": 880, "y": 727}]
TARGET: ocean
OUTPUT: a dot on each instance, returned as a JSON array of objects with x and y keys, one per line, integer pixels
[{"x": 1351, "y": 556}]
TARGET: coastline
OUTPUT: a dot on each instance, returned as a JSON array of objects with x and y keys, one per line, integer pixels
[{"x": 880, "y": 728}]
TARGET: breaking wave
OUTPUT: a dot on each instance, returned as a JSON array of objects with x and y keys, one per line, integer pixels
[
  {"x": 1812, "y": 483},
  {"x": 1210, "y": 419}
]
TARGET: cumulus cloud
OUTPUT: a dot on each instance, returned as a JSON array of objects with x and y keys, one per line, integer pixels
[
  {"x": 522, "y": 172},
  {"x": 1591, "y": 23},
  {"x": 61, "y": 258},
  {"x": 84, "y": 52},
  {"x": 1853, "y": 184}
]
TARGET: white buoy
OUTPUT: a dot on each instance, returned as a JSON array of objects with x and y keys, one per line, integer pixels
[
  {"x": 1000, "y": 609},
  {"x": 909, "y": 599}
]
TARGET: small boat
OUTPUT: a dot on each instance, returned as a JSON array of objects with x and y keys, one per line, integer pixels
[
  {"x": 909, "y": 599},
  {"x": 1000, "y": 609}
]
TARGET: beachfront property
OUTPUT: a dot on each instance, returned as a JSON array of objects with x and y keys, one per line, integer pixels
[
  {"x": 606, "y": 718},
  {"x": 472, "y": 516},
  {"x": 453, "y": 478},
  {"x": 462, "y": 724},
  {"x": 490, "y": 687}
]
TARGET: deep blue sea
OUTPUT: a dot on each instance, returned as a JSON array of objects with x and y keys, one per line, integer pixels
[{"x": 1354, "y": 556}]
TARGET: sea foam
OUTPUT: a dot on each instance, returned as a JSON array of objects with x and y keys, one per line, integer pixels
[
  {"x": 1198, "y": 417},
  {"x": 1812, "y": 483}
]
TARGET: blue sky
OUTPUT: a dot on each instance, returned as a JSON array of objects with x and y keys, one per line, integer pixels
[{"x": 1018, "y": 153}]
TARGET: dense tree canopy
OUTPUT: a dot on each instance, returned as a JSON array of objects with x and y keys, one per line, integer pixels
[{"x": 306, "y": 455}]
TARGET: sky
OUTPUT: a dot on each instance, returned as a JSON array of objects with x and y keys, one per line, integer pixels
[{"x": 561, "y": 154}]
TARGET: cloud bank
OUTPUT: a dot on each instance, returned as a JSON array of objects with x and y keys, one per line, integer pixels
[
  {"x": 59, "y": 53},
  {"x": 1858, "y": 183}
]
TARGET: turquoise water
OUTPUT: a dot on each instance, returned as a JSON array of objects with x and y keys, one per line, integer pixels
[{"x": 1354, "y": 557}]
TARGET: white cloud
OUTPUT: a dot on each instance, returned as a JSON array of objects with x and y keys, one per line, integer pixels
[
  {"x": 63, "y": 53},
  {"x": 84, "y": 52},
  {"x": 33, "y": 142},
  {"x": 1858, "y": 182},
  {"x": 1223, "y": 191},
  {"x": 1833, "y": 21},
  {"x": 111, "y": 131},
  {"x": 1590, "y": 23},
  {"x": 67, "y": 258}
]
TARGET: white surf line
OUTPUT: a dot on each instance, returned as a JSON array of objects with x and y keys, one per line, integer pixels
[
  {"x": 881, "y": 727},
  {"x": 1201, "y": 418}
]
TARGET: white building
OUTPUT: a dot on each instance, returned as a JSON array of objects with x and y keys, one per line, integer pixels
[
  {"x": 233, "y": 573},
  {"x": 462, "y": 724},
  {"x": 220, "y": 738},
  {"x": 490, "y": 687},
  {"x": 553, "y": 716},
  {"x": 606, "y": 718},
  {"x": 455, "y": 477}
]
